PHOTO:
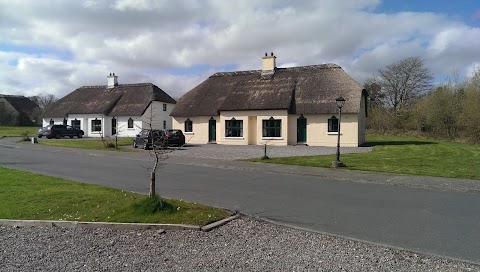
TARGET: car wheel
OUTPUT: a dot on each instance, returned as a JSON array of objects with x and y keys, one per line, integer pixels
[
  {"x": 145, "y": 146},
  {"x": 58, "y": 136},
  {"x": 79, "y": 135},
  {"x": 135, "y": 144},
  {"x": 49, "y": 137},
  {"x": 39, "y": 136}
]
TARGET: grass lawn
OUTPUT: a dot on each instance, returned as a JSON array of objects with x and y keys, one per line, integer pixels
[
  {"x": 88, "y": 143},
  {"x": 31, "y": 196},
  {"x": 403, "y": 155},
  {"x": 6, "y": 131}
]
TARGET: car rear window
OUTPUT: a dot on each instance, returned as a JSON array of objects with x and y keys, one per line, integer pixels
[{"x": 175, "y": 131}]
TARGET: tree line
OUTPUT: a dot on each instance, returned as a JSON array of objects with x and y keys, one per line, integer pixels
[{"x": 403, "y": 100}]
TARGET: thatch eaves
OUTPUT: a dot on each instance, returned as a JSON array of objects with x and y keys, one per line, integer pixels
[
  {"x": 121, "y": 100},
  {"x": 300, "y": 90}
]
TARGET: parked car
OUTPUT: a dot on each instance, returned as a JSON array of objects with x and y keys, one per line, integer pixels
[
  {"x": 174, "y": 137},
  {"x": 58, "y": 131},
  {"x": 149, "y": 138}
]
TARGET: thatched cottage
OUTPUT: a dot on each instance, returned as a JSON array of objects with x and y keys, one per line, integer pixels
[
  {"x": 16, "y": 110},
  {"x": 277, "y": 106},
  {"x": 113, "y": 109}
]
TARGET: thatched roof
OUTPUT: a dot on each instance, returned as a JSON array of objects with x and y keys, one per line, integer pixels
[
  {"x": 300, "y": 90},
  {"x": 121, "y": 100},
  {"x": 21, "y": 103}
]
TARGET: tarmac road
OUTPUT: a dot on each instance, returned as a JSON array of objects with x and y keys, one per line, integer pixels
[{"x": 442, "y": 221}]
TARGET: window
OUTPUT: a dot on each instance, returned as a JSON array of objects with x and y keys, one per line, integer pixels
[
  {"x": 96, "y": 125},
  {"x": 75, "y": 123},
  {"x": 64, "y": 121},
  {"x": 188, "y": 125},
  {"x": 234, "y": 128},
  {"x": 130, "y": 123},
  {"x": 272, "y": 128},
  {"x": 51, "y": 122},
  {"x": 164, "y": 107},
  {"x": 164, "y": 124},
  {"x": 333, "y": 124}
]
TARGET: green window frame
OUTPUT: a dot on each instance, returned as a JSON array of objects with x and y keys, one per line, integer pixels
[
  {"x": 333, "y": 124},
  {"x": 233, "y": 128},
  {"x": 272, "y": 127}
]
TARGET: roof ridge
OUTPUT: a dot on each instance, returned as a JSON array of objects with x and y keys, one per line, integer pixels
[
  {"x": 119, "y": 85},
  {"x": 295, "y": 68}
]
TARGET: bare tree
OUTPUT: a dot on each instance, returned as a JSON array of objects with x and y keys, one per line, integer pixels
[
  {"x": 375, "y": 96},
  {"x": 44, "y": 101},
  {"x": 402, "y": 82}
]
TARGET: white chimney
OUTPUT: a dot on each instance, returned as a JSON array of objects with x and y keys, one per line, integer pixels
[
  {"x": 112, "y": 80},
  {"x": 268, "y": 64}
]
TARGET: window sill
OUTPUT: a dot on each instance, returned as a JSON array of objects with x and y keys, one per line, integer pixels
[
  {"x": 189, "y": 133},
  {"x": 334, "y": 133},
  {"x": 272, "y": 138},
  {"x": 234, "y": 138}
]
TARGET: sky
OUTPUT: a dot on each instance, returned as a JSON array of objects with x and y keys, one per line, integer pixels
[{"x": 54, "y": 47}]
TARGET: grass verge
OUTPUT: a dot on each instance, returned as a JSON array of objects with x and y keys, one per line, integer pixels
[
  {"x": 403, "y": 155},
  {"x": 90, "y": 143},
  {"x": 31, "y": 196},
  {"x": 8, "y": 131}
]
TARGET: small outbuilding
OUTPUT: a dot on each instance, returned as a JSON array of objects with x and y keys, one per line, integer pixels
[
  {"x": 276, "y": 106},
  {"x": 113, "y": 109}
]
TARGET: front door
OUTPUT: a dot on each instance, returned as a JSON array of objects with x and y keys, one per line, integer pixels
[
  {"x": 212, "y": 130},
  {"x": 114, "y": 126},
  {"x": 301, "y": 130}
]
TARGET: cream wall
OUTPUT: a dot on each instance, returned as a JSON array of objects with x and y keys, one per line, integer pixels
[
  {"x": 255, "y": 136},
  {"x": 317, "y": 130},
  {"x": 199, "y": 134}
]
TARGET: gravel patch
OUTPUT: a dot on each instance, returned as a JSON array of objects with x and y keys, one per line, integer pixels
[
  {"x": 245, "y": 244},
  {"x": 239, "y": 152}
]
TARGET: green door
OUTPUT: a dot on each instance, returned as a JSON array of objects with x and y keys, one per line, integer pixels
[
  {"x": 301, "y": 130},
  {"x": 212, "y": 130}
]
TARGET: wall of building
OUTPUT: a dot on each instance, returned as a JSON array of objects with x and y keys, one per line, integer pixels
[
  {"x": 317, "y": 130},
  {"x": 154, "y": 116},
  {"x": 254, "y": 136},
  {"x": 199, "y": 134}
]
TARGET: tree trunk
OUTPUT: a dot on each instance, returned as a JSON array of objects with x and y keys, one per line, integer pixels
[{"x": 152, "y": 184}]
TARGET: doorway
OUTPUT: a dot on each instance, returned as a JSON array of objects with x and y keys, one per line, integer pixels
[
  {"x": 114, "y": 126},
  {"x": 212, "y": 130},
  {"x": 301, "y": 130}
]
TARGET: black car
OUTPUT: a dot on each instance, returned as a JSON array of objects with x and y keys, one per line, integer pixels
[
  {"x": 58, "y": 131},
  {"x": 174, "y": 137},
  {"x": 156, "y": 137}
]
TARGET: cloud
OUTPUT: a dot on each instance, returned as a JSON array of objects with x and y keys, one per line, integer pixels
[{"x": 56, "y": 47}]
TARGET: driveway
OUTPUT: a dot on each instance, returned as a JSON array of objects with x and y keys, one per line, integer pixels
[{"x": 239, "y": 152}]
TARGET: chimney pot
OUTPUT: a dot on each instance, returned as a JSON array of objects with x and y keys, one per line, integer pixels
[
  {"x": 272, "y": 54},
  {"x": 112, "y": 80}
]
